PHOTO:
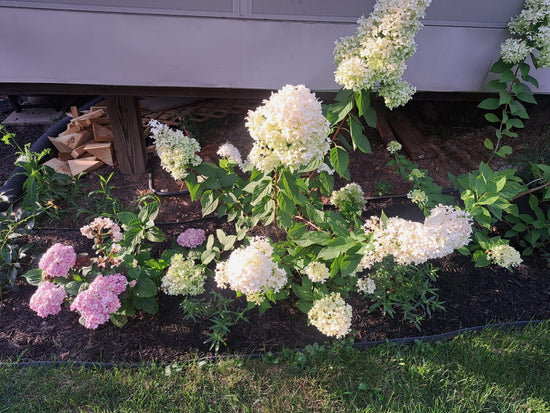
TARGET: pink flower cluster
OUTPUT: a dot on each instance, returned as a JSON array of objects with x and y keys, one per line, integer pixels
[
  {"x": 192, "y": 238},
  {"x": 57, "y": 261},
  {"x": 100, "y": 299},
  {"x": 101, "y": 226},
  {"x": 47, "y": 299}
]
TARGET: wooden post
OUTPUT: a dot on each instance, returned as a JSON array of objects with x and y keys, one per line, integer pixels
[{"x": 125, "y": 119}]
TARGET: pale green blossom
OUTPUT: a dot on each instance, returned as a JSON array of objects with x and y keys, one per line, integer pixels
[
  {"x": 417, "y": 196},
  {"x": 183, "y": 277},
  {"x": 394, "y": 147},
  {"x": 331, "y": 315},
  {"x": 505, "y": 256},
  {"x": 317, "y": 272},
  {"x": 176, "y": 151},
  {"x": 349, "y": 194}
]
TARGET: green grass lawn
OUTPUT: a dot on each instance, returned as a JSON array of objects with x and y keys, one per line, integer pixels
[{"x": 492, "y": 371}]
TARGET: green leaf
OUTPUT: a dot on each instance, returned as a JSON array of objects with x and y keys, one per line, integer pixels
[
  {"x": 526, "y": 97},
  {"x": 339, "y": 110},
  {"x": 72, "y": 288},
  {"x": 155, "y": 235},
  {"x": 304, "y": 306},
  {"x": 194, "y": 187},
  {"x": 370, "y": 117},
  {"x": 335, "y": 248},
  {"x": 340, "y": 160},
  {"x": 500, "y": 67},
  {"x": 362, "y": 99},
  {"x": 504, "y": 97},
  {"x": 489, "y": 104},
  {"x": 491, "y": 117},
  {"x": 128, "y": 219},
  {"x": 326, "y": 182},
  {"x": 313, "y": 238},
  {"x": 496, "y": 85},
  {"x": 209, "y": 203},
  {"x": 33, "y": 276},
  {"x": 507, "y": 76},
  {"x": 207, "y": 256},
  {"x": 488, "y": 144},
  {"x": 118, "y": 320},
  {"x": 147, "y": 304},
  {"x": 145, "y": 287},
  {"x": 359, "y": 140}
]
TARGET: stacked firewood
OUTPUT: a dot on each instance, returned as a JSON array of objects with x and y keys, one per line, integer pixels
[{"x": 86, "y": 144}]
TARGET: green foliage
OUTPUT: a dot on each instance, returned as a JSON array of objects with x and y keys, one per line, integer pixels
[
  {"x": 43, "y": 185},
  {"x": 382, "y": 187},
  {"x": 404, "y": 289},
  {"x": 222, "y": 313},
  {"x": 13, "y": 226},
  {"x": 141, "y": 226},
  {"x": 102, "y": 201}
]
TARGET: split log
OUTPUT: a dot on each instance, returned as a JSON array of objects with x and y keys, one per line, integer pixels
[
  {"x": 64, "y": 156},
  {"x": 78, "y": 152},
  {"x": 66, "y": 143},
  {"x": 83, "y": 165},
  {"x": 58, "y": 166},
  {"x": 90, "y": 115},
  {"x": 74, "y": 112},
  {"x": 102, "y": 133},
  {"x": 102, "y": 151}
]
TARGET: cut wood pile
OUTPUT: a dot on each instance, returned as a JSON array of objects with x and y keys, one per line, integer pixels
[{"x": 86, "y": 144}]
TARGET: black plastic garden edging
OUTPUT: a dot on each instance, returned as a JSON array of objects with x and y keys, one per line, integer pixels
[
  {"x": 364, "y": 345},
  {"x": 12, "y": 190}
]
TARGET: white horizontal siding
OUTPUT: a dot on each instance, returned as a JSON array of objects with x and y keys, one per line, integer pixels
[{"x": 204, "y": 48}]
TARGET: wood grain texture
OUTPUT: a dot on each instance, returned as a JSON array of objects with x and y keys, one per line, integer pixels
[{"x": 128, "y": 133}]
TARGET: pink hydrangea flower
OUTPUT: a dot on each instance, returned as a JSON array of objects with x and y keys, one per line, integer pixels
[
  {"x": 192, "y": 238},
  {"x": 47, "y": 299},
  {"x": 102, "y": 226},
  {"x": 57, "y": 260},
  {"x": 100, "y": 300}
]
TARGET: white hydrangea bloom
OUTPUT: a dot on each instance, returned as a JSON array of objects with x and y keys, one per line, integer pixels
[
  {"x": 505, "y": 256},
  {"x": 394, "y": 147},
  {"x": 417, "y": 196},
  {"x": 378, "y": 52},
  {"x": 317, "y": 272},
  {"x": 251, "y": 270},
  {"x": 351, "y": 193},
  {"x": 230, "y": 151},
  {"x": 410, "y": 242},
  {"x": 366, "y": 285},
  {"x": 331, "y": 315},
  {"x": 176, "y": 151},
  {"x": 183, "y": 277},
  {"x": 514, "y": 50},
  {"x": 288, "y": 130}
]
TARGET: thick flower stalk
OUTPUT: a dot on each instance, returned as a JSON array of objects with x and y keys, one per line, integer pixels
[
  {"x": 57, "y": 261},
  {"x": 47, "y": 299},
  {"x": 251, "y": 270},
  {"x": 288, "y": 130},
  {"x": 378, "y": 52},
  {"x": 183, "y": 277},
  {"x": 100, "y": 300},
  {"x": 176, "y": 151},
  {"x": 410, "y": 242},
  {"x": 331, "y": 315}
]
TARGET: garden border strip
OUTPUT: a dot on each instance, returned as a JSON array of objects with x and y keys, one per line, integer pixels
[
  {"x": 13, "y": 187},
  {"x": 364, "y": 345}
]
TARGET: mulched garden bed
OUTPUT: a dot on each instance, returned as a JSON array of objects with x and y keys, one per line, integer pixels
[{"x": 472, "y": 296}]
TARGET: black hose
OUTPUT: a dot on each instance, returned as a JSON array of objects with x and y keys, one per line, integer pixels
[
  {"x": 152, "y": 188},
  {"x": 364, "y": 345},
  {"x": 12, "y": 189}
]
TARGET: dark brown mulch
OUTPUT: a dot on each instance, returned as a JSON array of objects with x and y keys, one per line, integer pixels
[{"x": 472, "y": 296}]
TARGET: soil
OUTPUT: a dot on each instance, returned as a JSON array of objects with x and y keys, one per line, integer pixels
[{"x": 472, "y": 296}]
